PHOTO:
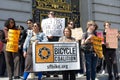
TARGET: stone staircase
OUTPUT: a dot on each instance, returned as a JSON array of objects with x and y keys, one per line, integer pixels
[{"x": 99, "y": 77}]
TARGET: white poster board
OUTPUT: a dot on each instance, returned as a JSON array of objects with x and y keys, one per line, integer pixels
[
  {"x": 53, "y": 26},
  {"x": 55, "y": 56}
]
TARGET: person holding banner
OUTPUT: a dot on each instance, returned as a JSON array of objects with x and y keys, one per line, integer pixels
[
  {"x": 53, "y": 29},
  {"x": 90, "y": 55},
  {"x": 67, "y": 38},
  {"x": 12, "y": 57},
  {"x": 110, "y": 54},
  {"x": 36, "y": 35}
]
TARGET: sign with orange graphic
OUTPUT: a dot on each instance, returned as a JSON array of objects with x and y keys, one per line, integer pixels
[
  {"x": 97, "y": 45},
  {"x": 44, "y": 53},
  {"x": 12, "y": 43},
  {"x": 55, "y": 56}
]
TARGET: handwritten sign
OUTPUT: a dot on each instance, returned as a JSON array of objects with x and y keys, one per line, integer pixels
[
  {"x": 97, "y": 45},
  {"x": 12, "y": 43},
  {"x": 77, "y": 33},
  {"x": 56, "y": 56},
  {"x": 53, "y": 26},
  {"x": 111, "y": 38}
]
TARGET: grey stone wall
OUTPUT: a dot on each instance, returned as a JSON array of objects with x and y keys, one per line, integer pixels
[
  {"x": 20, "y": 10},
  {"x": 100, "y": 11}
]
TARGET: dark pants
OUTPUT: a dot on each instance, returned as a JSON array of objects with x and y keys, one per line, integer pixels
[
  {"x": 22, "y": 62},
  {"x": 69, "y": 75},
  {"x": 91, "y": 61},
  {"x": 53, "y": 39},
  {"x": 12, "y": 63},
  {"x": 111, "y": 62},
  {"x": 2, "y": 64}
]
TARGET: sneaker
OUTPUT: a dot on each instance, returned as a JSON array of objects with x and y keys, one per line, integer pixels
[
  {"x": 117, "y": 78},
  {"x": 103, "y": 72},
  {"x": 47, "y": 75},
  {"x": 96, "y": 79},
  {"x": 79, "y": 75},
  {"x": 84, "y": 74},
  {"x": 16, "y": 77},
  {"x": 110, "y": 77},
  {"x": 55, "y": 75}
]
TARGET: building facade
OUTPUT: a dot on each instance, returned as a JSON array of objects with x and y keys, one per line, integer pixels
[
  {"x": 80, "y": 11},
  {"x": 20, "y": 10}
]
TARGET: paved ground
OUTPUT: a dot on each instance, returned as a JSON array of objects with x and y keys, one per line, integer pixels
[{"x": 99, "y": 76}]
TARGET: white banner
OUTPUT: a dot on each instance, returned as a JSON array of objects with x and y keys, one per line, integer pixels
[
  {"x": 53, "y": 26},
  {"x": 56, "y": 56}
]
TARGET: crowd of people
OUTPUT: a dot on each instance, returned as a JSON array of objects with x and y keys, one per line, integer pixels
[{"x": 20, "y": 63}]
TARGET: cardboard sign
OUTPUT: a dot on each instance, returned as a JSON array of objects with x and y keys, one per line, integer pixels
[
  {"x": 77, "y": 33},
  {"x": 111, "y": 38},
  {"x": 55, "y": 56},
  {"x": 12, "y": 44},
  {"x": 97, "y": 45},
  {"x": 53, "y": 26}
]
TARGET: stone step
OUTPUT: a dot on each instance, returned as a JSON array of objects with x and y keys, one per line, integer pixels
[{"x": 99, "y": 77}]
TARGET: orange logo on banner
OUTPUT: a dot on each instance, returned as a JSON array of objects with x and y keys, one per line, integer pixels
[{"x": 44, "y": 53}]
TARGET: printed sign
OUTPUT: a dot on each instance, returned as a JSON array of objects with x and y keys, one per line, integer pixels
[
  {"x": 53, "y": 26},
  {"x": 111, "y": 38},
  {"x": 56, "y": 56},
  {"x": 97, "y": 45},
  {"x": 12, "y": 43}
]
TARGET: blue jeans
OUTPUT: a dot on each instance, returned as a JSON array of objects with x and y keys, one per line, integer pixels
[{"x": 91, "y": 61}]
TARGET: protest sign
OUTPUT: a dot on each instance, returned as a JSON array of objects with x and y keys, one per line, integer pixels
[
  {"x": 97, "y": 45},
  {"x": 56, "y": 56},
  {"x": 53, "y": 26},
  {"x": 12, "y": 43},
  {"x": 111, "y": 38},
  {"x": 77, "y": 33}
]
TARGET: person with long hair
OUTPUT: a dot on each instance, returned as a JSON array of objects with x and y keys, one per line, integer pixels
[
  {"x": 36, "y": 35},
  {"x": 90, "y": 55},
  {"x": 12, "y": 58},
  {"x": 70, "y": 74},
  {"x": 110, "y": 56}
]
